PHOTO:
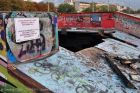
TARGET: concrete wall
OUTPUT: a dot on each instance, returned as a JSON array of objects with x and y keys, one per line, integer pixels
[
  {"x": 127, "y": 23},
  {"x": 86, "y": 20},
  {"x": 11, "y": 51}
]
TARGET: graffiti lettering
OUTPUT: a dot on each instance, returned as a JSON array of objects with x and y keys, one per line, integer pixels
[
  {"x": 44, "y": 65},
  {"x": 85, "y": 20},
  {"x": 21, "y": 14},
  {"x": 34, "y": 46},
  {"x": 56, "y": 71},
  {"x": 85, "y": 89},
  {"x": 127, "y": 24}
]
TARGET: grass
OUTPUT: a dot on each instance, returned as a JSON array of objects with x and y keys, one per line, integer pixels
[{"x": 9, "y": 89}]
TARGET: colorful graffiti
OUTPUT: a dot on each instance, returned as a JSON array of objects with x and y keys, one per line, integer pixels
[
  {"x": 24, "y": 51},
  {"x": 127, "y": 23},
  {"x": 34, "y": 48},
  {"x": 64, "y": 72},
  {"x": 2, "y": 40}
]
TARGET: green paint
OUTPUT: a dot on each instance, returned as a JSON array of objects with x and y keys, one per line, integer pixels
[{"x": 9, "y": 89}]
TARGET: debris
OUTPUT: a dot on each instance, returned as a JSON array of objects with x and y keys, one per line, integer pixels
[
  {"x": 135, "y": 65},
  {"x": 116, "y": 69},
  {"x": 135, "y": 77},
  {"x": 127, "y": 62},
  {"x": 124, "y": 59}
]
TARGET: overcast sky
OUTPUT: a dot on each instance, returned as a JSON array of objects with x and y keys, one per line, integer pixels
[{"x": 131, "y": 3}]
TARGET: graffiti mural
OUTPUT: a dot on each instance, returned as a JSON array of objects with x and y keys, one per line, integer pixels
[
  {"x": 2, "y": 40},
  {"x": 31, "y": 49},
  {"x": 128, "y": 24},
  {"x": 64, "y": 72},
  {"x": 85, "y": 20}
]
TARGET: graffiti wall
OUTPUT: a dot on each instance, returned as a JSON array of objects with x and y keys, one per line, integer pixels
[
  {"x": 85, "y": 20},
  {"x": 128, "y": 24},
  {"x": 28, "y": 50},
  {"x": 2, "y": 40}
]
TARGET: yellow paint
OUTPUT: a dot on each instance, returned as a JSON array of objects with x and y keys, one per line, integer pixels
[{"x": 3, "y": 52}]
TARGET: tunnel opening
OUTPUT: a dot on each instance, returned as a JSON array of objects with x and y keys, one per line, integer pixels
[{"x": 74, "y": 41}]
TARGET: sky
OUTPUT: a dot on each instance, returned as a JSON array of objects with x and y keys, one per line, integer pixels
[
  {"x": 37, "y": 0},
  {"x": 131, "y": 3}
]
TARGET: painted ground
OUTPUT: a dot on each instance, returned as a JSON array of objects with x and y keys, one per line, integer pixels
[{"x": 65, "y": 72}]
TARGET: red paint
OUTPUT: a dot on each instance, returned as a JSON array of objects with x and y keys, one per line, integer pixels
[
  {"x": 84, "y": 20},
  {"x": 128, "y": 16},
  {"x": 123, "y": 22},
  {"x": 107, "y": 21},
  {"x": 127, "y": 23}
]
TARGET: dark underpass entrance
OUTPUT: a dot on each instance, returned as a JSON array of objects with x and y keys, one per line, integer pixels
[{"x": 77, "y": 41}]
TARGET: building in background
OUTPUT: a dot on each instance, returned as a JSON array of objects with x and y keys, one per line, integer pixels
[
  {"x": 120, "y": 8},
  {"x": 71, "y": 2},
  {"x": 79, "y": 6}
]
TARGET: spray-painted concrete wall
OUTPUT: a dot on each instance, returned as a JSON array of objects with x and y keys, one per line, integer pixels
[
  {"x": 86, "y": 20},
  {"x": 2, "y": 40},
  {"x": 29, "y": 50},
  {"x": 127, "y": 23}
]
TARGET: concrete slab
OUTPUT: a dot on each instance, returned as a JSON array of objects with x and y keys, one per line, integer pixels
[
  {"x": 122, "y": 57},
  {"x": 68, "y": 72},
  {"x": 120, "y": 49},
  {"x": 128, "y": 38}
]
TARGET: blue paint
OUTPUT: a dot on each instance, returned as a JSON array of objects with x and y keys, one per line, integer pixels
[
  {"x": 3, "y": 35},
  {"x": 64, "y": 72},
  {"x": 95, "y": 18},
  {"x": 55, "y": 20},
  {"x": 56, "y": 31},
  {"x": 30, "y": 50},
  {"x": 11, "y": 57}
]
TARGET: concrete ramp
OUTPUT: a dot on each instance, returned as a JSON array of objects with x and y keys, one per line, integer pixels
[{"x": 68, "y": 72}]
